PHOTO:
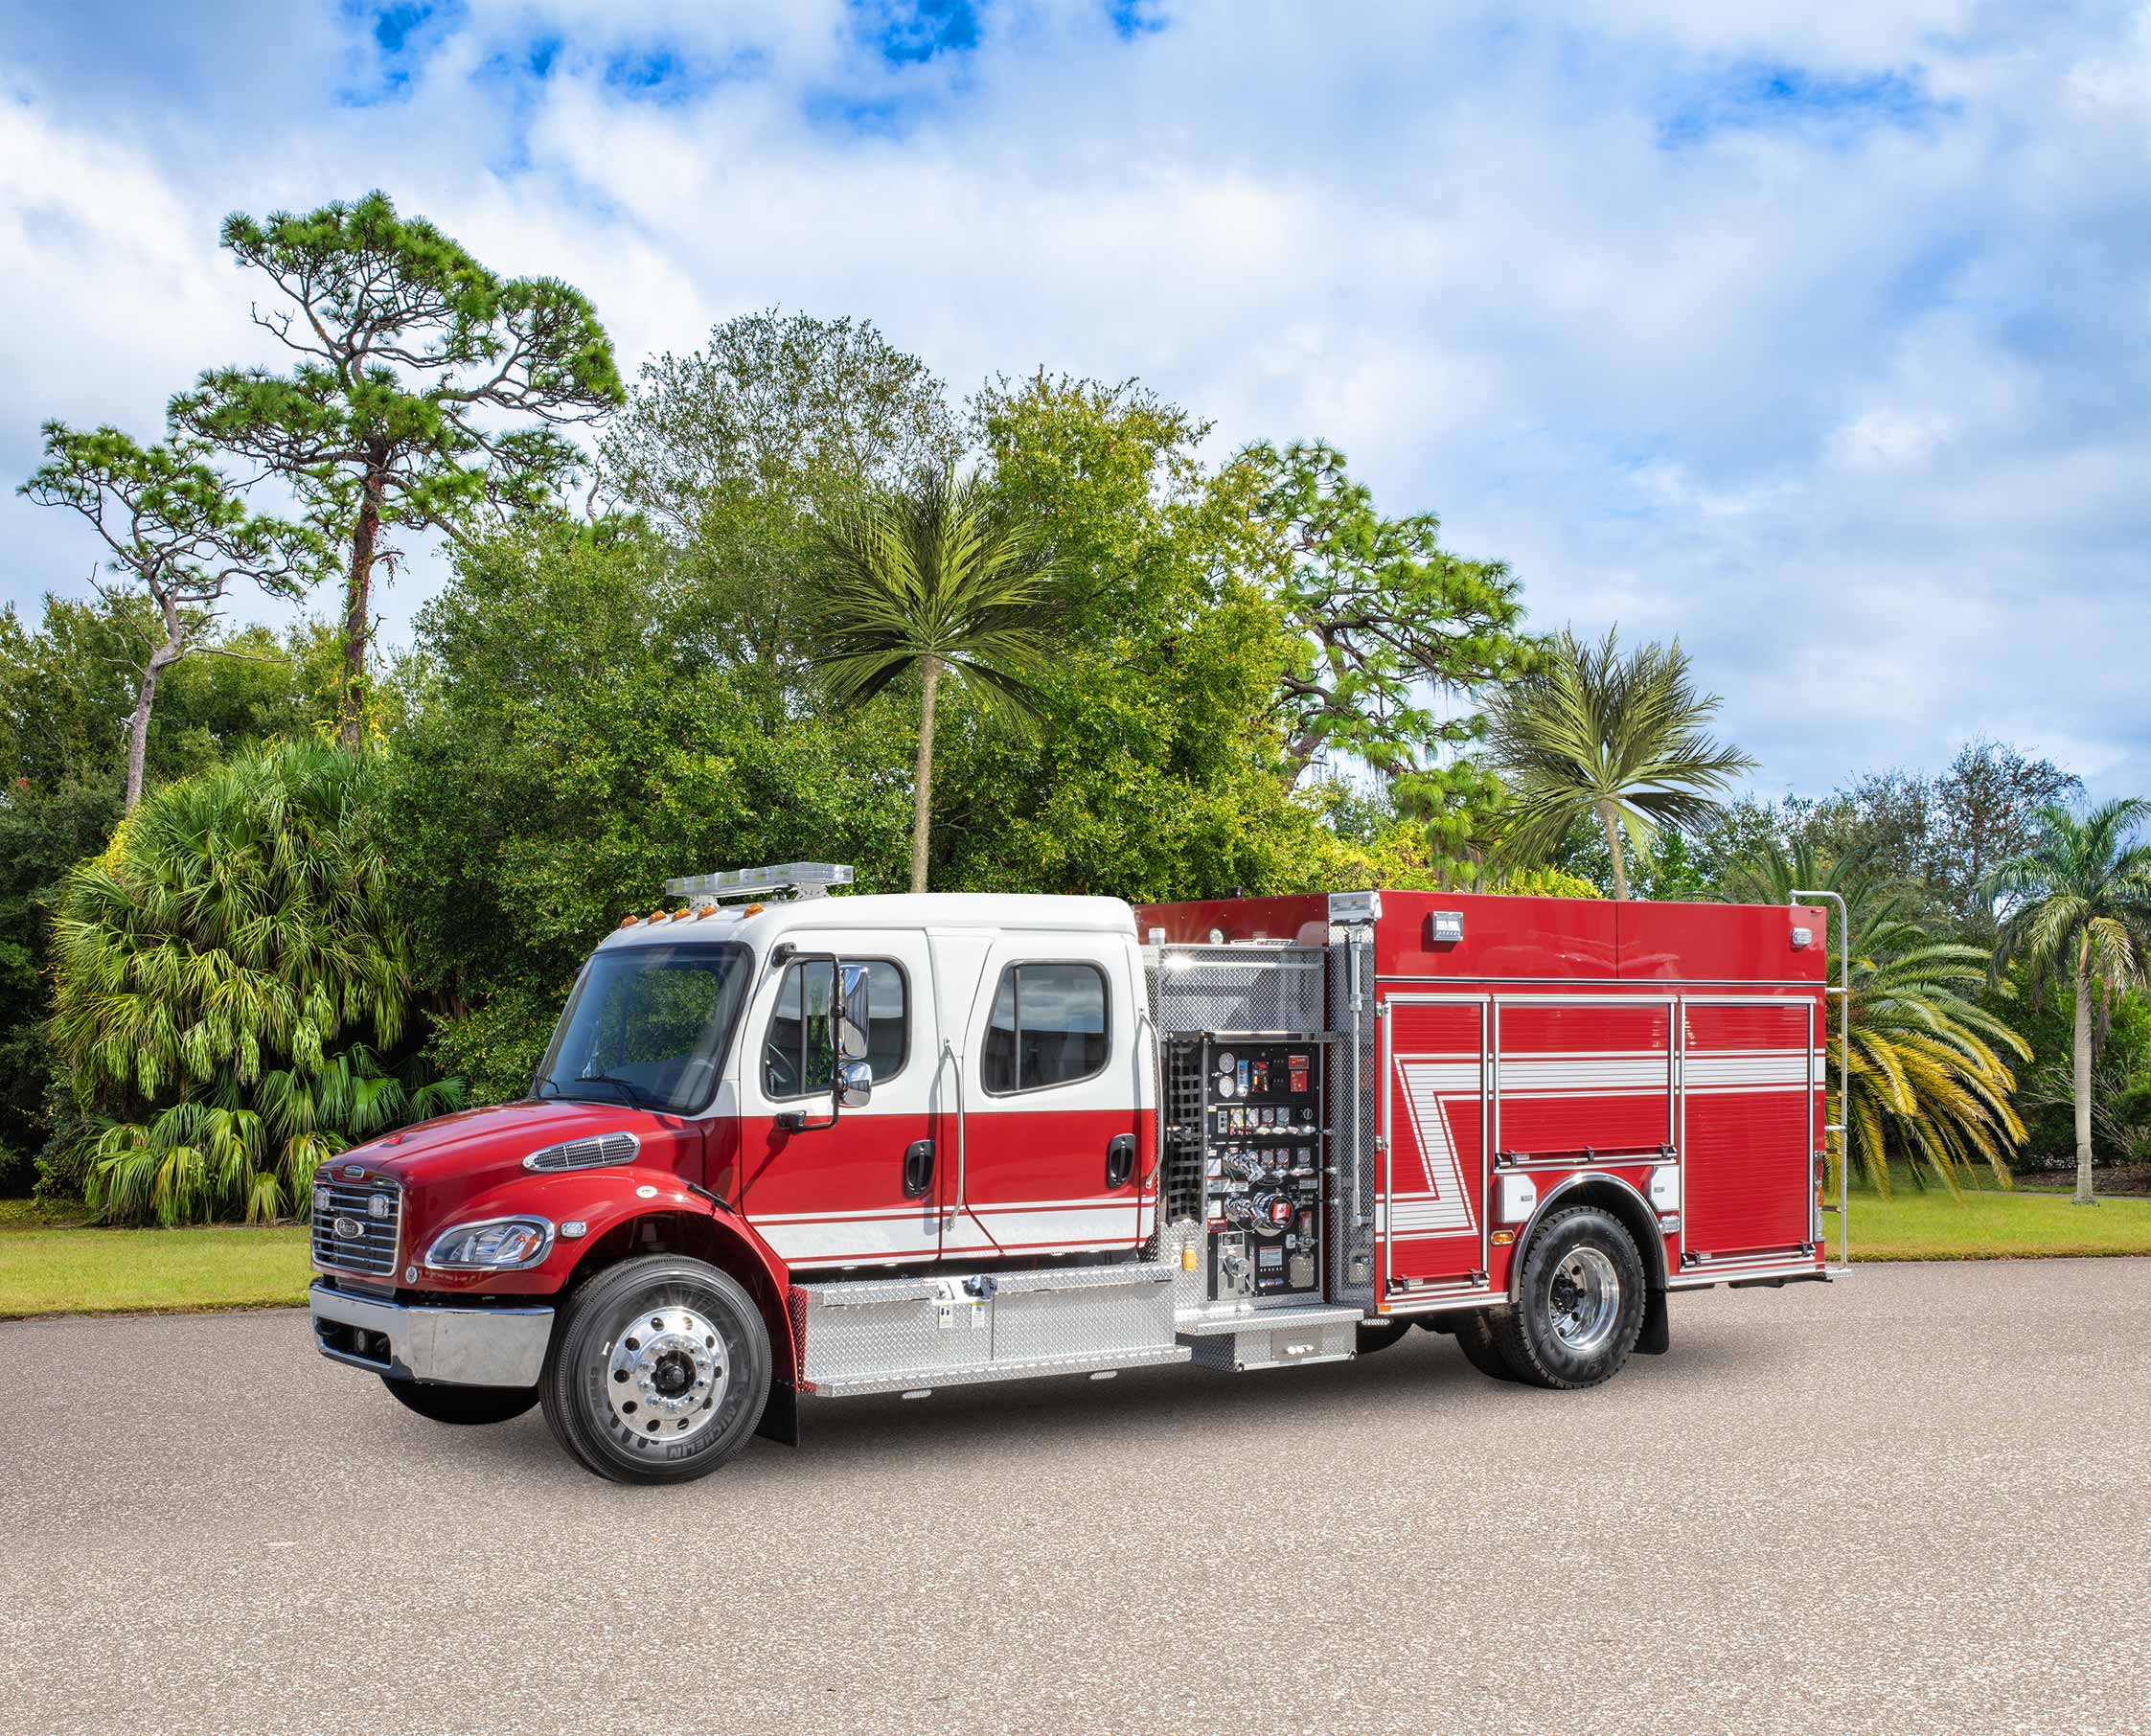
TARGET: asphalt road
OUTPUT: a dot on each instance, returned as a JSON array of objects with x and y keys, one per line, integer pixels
[{"x": 1919, "y": 1500}]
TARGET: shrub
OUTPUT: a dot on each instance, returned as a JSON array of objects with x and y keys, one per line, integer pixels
[{"x": 228, "y": 977}]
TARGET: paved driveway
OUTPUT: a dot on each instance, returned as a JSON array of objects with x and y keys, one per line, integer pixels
[{"x": 1914, "y": 1501}]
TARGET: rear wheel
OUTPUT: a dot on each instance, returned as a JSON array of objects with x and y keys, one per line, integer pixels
[
  {"x": 1481, "y": 1345},
  {"x": 658, "y": 1372},
  {"x": 1580, "y": 1296},
  {"x": 461, "y": 1405}
]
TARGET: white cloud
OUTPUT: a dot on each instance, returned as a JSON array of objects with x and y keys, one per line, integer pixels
[{"x": 1813, "y": 334}]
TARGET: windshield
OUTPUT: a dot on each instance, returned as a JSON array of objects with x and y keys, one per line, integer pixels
[{"x": 648, "y": 1025}]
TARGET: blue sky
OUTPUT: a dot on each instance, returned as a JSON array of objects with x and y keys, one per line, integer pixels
[{"x": 1820, "y": 336}]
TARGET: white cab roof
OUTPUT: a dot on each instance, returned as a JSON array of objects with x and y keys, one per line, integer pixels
[{"x": 1030, "y": 911}]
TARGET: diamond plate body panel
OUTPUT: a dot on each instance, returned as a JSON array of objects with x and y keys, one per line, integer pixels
[
  {"x": 890, "y": 1335},
  {"x": 1240, "y": 988}
]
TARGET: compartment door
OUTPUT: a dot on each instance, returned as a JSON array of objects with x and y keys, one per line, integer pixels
[
  {"x": 1581, "y": 1079},
  {"x": 1431, "y": 1207},
  {"x": 1747, "y": 1110}
]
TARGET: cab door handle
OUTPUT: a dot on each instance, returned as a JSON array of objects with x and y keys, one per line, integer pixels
[
  {"x": 918, "y": 1169},
  {"x": 1120, "y": 1160}
]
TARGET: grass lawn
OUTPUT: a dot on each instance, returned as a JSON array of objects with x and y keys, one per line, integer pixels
[
  {"x": 1986, "y": 1224},
  {"x": 48, "y": 1268}
]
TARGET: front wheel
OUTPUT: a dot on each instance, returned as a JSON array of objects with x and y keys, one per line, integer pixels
[
  {"x": 463, "y": 1405},
  {"x": 1579, "y": 1305},
  {"x": 658, "y": 1371}
]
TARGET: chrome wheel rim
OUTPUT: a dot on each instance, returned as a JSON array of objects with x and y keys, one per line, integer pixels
[
  {"x": 1586, "y": 1301},
  {"x": 666, "y": 1374}
]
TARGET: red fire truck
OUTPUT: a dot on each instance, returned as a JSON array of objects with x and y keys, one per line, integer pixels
[{"x": 786, "y": 1144}]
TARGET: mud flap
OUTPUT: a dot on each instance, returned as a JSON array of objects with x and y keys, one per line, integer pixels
[
  {"x": 1657, "y": 1336},
  {"x": 780, "y": 1415}
]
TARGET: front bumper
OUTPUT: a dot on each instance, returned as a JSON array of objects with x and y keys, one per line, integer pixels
[{"x": 456, "y": 1346}]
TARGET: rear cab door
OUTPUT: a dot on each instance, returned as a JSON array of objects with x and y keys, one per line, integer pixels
[{"x": 1056, "y": 1094}]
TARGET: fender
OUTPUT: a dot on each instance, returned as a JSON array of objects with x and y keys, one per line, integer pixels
[
  {"x": 611, "y": 1201},
  {"x": 1629, "y": 1208}
]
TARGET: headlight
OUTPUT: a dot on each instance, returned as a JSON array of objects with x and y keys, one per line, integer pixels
[{"x": 499, "y": 1245}]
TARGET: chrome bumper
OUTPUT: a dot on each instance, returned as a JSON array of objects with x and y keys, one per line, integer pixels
[{"x": 457, "y": 1346}]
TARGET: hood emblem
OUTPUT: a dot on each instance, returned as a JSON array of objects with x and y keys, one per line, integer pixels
[
  {"x": 349, "y": 1229},
  {"x": 353, "y": 1171}
]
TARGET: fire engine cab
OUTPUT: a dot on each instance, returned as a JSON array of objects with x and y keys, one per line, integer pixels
[{"x": 789, "y": 1146}]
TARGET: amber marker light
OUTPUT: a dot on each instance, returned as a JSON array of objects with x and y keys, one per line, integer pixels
[
  {"x": 752, "y": 909},
  {"x": 626, "y": 922},
  {"x": 1505, "y": 1238}
]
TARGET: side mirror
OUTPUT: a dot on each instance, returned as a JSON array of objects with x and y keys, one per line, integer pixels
[
  {"x": 851, "y": 1019},
  {"x": 855, "y": 1083}
]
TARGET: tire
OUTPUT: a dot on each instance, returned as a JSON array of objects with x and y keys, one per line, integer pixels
[
  {"x": 1481, "y": 1344},
  {"x": 463, "y": 1405},
  {"x": 1380, "y": 1335},
  {"x": 1580, "y": 1297},
  {"x": 658, "y": 1371}
]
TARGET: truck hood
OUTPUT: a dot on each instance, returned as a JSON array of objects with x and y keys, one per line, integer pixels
[{"x": 474, "y": 1142}]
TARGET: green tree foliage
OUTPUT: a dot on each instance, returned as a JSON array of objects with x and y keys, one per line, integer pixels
[
  {"x": 1938, "y": 835},
  {"x": 1623, "y": 738},
  {"x": 1929, "y": 1085},
  {"x": 172, "y": 526},
  {"x": 737, "y": 450},
  {"x": 577, "y": 735},
  {"x": 1154, "y": 771},
  {"x": 426, "y": 388},
  {"x": 66, "y": 695},
  {"x": 1394, "y": 633},
  {"x": 2077, "y": 908},
  {"x": 932, "y": 581},
  {"x": 227, "y": 976}
]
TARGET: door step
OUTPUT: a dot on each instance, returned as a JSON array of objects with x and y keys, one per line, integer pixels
[
  {"x": 1272, "y": 1337},
  {"x": 1250, "y": 1319}
]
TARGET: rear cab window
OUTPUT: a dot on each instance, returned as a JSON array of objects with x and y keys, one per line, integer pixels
[{"x": 1051, "y": 1025}]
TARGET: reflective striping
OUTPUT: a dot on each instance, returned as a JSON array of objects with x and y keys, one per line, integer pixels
[{"x": 1446, "y": 1203}]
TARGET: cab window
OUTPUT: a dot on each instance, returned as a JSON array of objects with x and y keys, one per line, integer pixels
[
  {"x": 798, "y": 1055},
  {"x": 1049, "y": 1026}
]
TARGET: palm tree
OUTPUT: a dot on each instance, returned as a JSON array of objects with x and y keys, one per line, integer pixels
[
  {"x": 933, "y": 579},
  {"x": 1928, "y": 1083},
  {"x": 2079, "y": 907},
  {"x": 1622, "y": 738}
]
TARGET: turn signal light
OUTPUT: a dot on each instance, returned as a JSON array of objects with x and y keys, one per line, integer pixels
[{"x": 1503, "y": 1238}]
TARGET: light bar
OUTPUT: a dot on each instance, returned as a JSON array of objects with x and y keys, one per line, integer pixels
[{"x": 803, "y": 879}]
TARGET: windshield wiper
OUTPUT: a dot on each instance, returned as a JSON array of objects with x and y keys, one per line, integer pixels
[{"x": 633, "y": 1091}]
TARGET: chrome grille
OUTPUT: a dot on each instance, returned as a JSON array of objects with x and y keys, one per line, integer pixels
[
  {"x": 585, "y": 1153},
  {"x": 373, "y": 1251}
]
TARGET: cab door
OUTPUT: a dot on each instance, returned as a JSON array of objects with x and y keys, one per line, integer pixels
[
  {"x": 867, "y": 1190},
  {"x": 1055, "y": 1093}
]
